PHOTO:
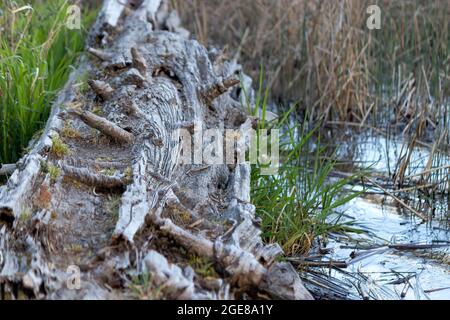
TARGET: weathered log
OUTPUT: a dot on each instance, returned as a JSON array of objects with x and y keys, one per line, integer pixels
[{"x": 162, "y": 82}]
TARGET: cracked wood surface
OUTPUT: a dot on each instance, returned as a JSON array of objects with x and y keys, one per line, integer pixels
[{"x": 119, "y": 203}]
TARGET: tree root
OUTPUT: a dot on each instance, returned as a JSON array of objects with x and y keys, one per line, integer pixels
[
  {"x": 240, "y": 265},
  {"x": 172, "y": 280}
]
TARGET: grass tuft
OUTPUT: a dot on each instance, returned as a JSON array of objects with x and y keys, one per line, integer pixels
[
  {"x": 202, "y": 266},
  {"x": 59, "y": 148},
  {"x": 142, "y": 288},
  {"x": 25, "y": 215},
  {"x": 54, "y": 172},
  {"x": 301, "y": 202},
  {"x": 68, "y": 131}
]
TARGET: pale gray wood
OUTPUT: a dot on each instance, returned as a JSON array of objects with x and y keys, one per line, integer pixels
[{"x": 7, "y": 168}]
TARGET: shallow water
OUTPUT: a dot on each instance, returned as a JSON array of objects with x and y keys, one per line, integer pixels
[
  {"x": 387, "y": 273},
  {"x": 428, "y": 269},
  {"x": 382, "y": 154}
]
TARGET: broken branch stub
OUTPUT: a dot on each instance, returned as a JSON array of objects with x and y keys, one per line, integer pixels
[
  {"x": 219, "y": 88},
  {"x": 138, "y": 61},
  {"x": 88, "y": 177},
  {"x": 103, "y": 125},
  {"x": 100, "y": 54},
  {"x": 101, "y": 88}
]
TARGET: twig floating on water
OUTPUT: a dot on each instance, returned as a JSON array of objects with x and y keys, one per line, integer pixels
[{"x": 400, "y": 201}]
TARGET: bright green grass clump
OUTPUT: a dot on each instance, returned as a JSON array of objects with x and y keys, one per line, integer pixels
[
  {"x": 302, "y": 201},
  {"x": 37, "y": 51}
]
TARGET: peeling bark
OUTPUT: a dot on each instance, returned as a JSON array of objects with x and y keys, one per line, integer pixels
[{"x": 151, "y": 204}]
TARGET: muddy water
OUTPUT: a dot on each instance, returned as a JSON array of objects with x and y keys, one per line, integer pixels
[{"x": 375, "y": 269}]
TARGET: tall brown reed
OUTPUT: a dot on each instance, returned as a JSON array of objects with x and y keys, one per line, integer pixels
[{"x": 322, "y": 54}]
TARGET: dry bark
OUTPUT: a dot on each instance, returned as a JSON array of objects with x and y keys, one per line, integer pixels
[{"x": 148, "y": 79}]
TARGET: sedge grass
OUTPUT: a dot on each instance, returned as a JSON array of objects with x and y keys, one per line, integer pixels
[
  {"x": 37, "y": 51},
  {"x": 300, "y": 202}
]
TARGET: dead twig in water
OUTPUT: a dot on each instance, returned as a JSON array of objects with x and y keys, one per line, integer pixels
[
  {"x": 415, "y": 246},
  {"x": 327, "y": 264},
  {"x": 428, "y": 171},
  {"x": 400, "y": 201},
  {"x": 435, "y": 290}
]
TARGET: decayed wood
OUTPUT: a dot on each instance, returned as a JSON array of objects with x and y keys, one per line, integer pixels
[
  {"x": 153, "y": 83},
  {"x": 176, "y": 283}
]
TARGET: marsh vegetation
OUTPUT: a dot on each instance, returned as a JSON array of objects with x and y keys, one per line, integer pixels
[{"x": 362, "y": 191}]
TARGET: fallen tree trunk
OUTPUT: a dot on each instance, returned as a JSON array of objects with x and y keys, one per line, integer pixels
[{"x": 104, "y": 196}]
